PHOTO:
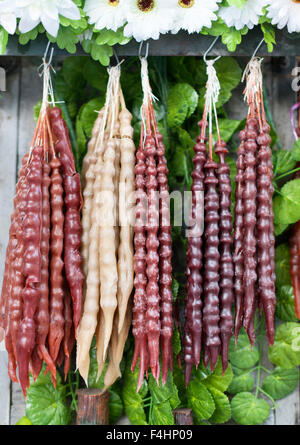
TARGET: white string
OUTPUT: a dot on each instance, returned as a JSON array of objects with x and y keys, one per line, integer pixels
[
  {"x": 213, "y": 88},
  {"x": 112, "y": 90},
  {"x": 148, "y": 96},
  {"x": 254, "y": 81}
]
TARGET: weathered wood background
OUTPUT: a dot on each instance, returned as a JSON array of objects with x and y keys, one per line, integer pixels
[{"x": 23, "y": 91}]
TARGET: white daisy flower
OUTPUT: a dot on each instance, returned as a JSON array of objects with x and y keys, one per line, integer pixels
[
  {"x": 109, "y": 14},
  {"x": 285, "y": 13},
  {"x": 248, "y": 15},
  {"x": 193, "y": 15},
  {"x": 147, "y": 19},
  {"x": 8, "y": 15},
  {"x": 32, "y": 12}
]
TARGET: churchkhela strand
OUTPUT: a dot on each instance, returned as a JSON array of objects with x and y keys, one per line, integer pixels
[
  {"x": 152, "y": 309},
  {"x": 36, "y": 310},
  {"x": 107, "y": 236},
  {"x": 209, "y": 286},
  {"x": 254, "y": 240}
]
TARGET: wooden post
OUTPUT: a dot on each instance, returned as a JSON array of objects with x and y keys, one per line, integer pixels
[
  {"x": 183, "y": 416},
  {"x": 92, "y": 407}
]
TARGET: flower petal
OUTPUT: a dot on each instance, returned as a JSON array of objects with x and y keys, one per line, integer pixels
[
  {"x": 27, "y": 23},
  {"x": 9, "y": 22},
  {"x": 50, "y": 25}
]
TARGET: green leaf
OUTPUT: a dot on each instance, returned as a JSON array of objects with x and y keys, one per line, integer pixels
[
  {"x": 281, "y": 382},
  {"x": 269, "y": 35},
  {"x": 101, "y": 53},
  {"x": 65, "y": 39},
  {"x": 232, "y": 37},
  {"x": 95, "y": 74},
  {"x": 115, "y": 407},
  {"x": 175, "y": 287},
  {"x": 162, "y": 414},
  {"x": 287, "y": 204},
  {"x": 88, "y": 114},
  {"x": 182, "y": 102},
  {"x": 81, "y": 138},
  {"x": 179, "y": 164},
  {"x": 282, "y": 265},
  {"x": 222, "y": 412},
  {"x": 46, "y": 405},
  {"x": 248, "y": 410},
  {"x": 27, "y": 36},
  {"x": 73, "y": 71},
  {"x": 285, "y": 307},
  {"x": 228, "y": 127},
  {"x": 111, "y": 38},
  {"x": 296, "y": 150},
  {"x": 286, "y": 350},
  {"x": 93, "y": 370},
  {"x": 243, "y": 357},
  {"x": 3, "y": 40},
  {"x": 280, "y": 228},
  {"x": 176, "y": 342},
  {"x": 241, "y": 383},
  {"x": 200, "y": 400},
  {"x": 24, "y": 421},
  {"x": 283, "y": 161},
  {"x": 133, "y": 401},
  {"x": 216, "y": 379},
  {"x": 163, "y": 393}
]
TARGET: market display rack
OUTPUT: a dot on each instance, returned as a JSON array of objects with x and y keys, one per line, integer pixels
[{"x": 181, "y": 44}]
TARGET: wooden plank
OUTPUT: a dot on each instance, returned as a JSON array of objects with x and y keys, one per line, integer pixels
[
  {"x": 181, "y": 44},
  {"x": 30, "y": 94},
  {"x": 8, "y": 145}
]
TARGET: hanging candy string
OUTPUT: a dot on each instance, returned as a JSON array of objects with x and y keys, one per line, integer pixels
[{"x": 211, "y": 98}]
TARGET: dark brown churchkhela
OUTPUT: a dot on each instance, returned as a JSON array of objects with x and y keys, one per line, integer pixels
[
  {"x": 254, "y": 240},
  {"x": 165, "y": 259},
  {"x": 264, "y": 226},
  {"x": 250, "y": 207},
  {"x": 238, "y": 252},
  {"x": 226, "y": 260},
  {"x": 193, "y": 305},
  {"x": 209, "y": 287},
  {"x": 211, "y": 310}
]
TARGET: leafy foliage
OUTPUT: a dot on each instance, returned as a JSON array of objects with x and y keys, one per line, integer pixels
[
  {"x": 46, "y": 405},
  {"x": 179, "y": 83}
]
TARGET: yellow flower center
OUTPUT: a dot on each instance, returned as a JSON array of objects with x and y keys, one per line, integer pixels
[
  {"x": 113, "y": 2},
  {"x": 145, "y": 5},
  {"x": 186, "y": 3}
]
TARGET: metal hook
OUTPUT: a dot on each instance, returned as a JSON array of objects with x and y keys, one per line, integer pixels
[
  {"x": 116, "y": 56},
  {"x": 257, "y": 48},
  {"x": 209, "y": 49},
  {"x": 140, "y": 50}
]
